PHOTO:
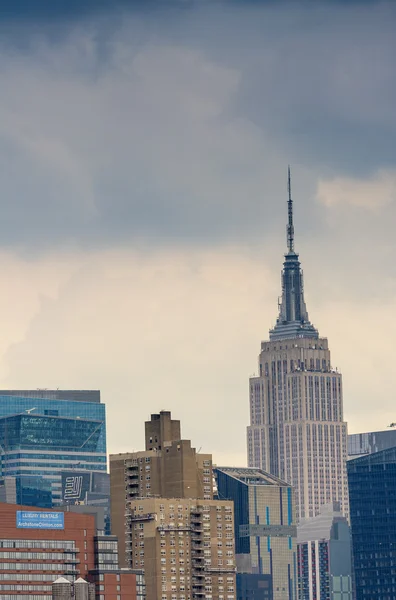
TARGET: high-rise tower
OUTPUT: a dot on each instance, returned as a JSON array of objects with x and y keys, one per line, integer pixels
[{"x": 296, "y": 429}]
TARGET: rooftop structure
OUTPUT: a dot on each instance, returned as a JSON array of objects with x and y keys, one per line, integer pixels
[
  {"x": 293, "y": 321},
  {"x": 46, "y": 394}
]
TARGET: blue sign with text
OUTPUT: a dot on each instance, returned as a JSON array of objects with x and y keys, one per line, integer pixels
[{"x": 39, "y": 520}]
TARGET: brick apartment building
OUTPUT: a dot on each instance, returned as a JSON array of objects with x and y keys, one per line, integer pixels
[
  {"x": 38, "y": 546},
  {"x": 163, "y": 513}
]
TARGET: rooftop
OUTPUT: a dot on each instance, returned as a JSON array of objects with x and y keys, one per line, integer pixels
[
  {"x": 47, "y": 394},
  {"x": 252, "y": 476}
]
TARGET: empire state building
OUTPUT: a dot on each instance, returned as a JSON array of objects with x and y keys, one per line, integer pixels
[{"x": 296, "y": 430}]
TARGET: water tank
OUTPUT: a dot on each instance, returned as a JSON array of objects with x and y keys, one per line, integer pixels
[
  {"x": 81, "y": 589},
  {"x": 91, "y": 591},
  {"x": 61, "y": 589}
]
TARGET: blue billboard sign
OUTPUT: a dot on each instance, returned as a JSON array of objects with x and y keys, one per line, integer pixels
[{"x": 39, "y": 520}]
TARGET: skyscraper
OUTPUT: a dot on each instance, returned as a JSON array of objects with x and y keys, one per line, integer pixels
[
  {"x": 42, "y": 433},
  {"x": 372, "y": 495},
  {"x": 296, "y": 430},
  {"x": 324, "y": 556},
  {"x": 360, "y": 444},
  {"x": 265, "y": 532}
]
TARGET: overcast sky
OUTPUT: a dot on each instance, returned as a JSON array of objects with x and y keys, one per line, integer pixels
[{"x": 143, "y": 165}]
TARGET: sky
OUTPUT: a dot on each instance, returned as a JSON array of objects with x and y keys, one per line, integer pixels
[{"x": 143, "y": 185}]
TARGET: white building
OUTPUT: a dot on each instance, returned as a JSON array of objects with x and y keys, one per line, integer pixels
[{"x": 296, "y": 430}]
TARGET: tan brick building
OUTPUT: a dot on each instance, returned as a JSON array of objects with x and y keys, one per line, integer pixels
[
  {"x": 166, "y": 520},
  {"x": 185, "y": 546},
  {"x": 168, "y": 468}
]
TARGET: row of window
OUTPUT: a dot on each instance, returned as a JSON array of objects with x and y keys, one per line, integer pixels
[
  {"x": 30, "y": 577},
  {"x": 25, "y": 597},
  {"x": 47, "y": 544},
  {"x": 101, "y": 577},
  {"x": 70, "y": 457},
  {"x": 25, "y": 588},
  {"x": 107, "y": 545},
  {"x": 38, "y": 555},
  {"x": 36, "y": 567}
]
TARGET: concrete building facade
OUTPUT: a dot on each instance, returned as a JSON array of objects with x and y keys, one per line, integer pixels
[
  {"x": 168, "y": 468},
  {"x": 297, "y": 430},
  {"x": 185, "y": 546},
  {"x": 265, "y": 532}
]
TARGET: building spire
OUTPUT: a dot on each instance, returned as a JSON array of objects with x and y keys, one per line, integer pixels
[
  {"x": 290, "y": 226},
  {"x": 293, "y": 321}
]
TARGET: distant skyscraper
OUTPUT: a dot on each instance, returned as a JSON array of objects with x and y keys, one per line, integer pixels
[
  {"x": 265, "y": 532},
  {"x": 372, "y": 497},
  {"x": 44, "y": 432},
  {"x": 324, "y": 556},
  {"x": 296, "y": 427},
  {"x": 373, "y": 441}
]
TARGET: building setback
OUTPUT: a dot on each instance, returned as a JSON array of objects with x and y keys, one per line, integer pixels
[
  {"x": 325, "y": 556},
  {"x": 38, "y": 546},
  {"x": 296, "y": 430},
  {"x": 372, "y": 496},
  {"x": 169, "y": 468},
  {"x": 265, "y": 532}
]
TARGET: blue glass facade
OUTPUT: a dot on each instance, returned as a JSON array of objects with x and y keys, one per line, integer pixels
[
  {"x": 40, "y": 437},
  {"x": 254, "y": 587},
  {"x": 372, "y": 495},
  {"x": 265, "y": 532},
  {"x": 230, "y": 488}
]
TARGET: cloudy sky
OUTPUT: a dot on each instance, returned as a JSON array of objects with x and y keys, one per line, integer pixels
[{"x": 143, "y": 160}]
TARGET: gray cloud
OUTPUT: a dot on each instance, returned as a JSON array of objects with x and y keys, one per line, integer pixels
[
  {"x": 175, "y": 126},
  {"x": 170, "y": 131}
]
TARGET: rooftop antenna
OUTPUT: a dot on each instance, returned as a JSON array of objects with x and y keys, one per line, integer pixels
[{"x": 290, "y": 226}]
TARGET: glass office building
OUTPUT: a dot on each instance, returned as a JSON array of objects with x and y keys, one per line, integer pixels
[
  {"x": 324, "y": 556},
  {"x": 265, "y": 532},
  {"x": 372, "y": 441},
  {"x": 372, "y": 496},
  {"x": 44, "y": 432}
]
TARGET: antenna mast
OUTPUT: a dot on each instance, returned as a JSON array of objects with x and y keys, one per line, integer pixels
[{"x": 290, "y": 226}]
